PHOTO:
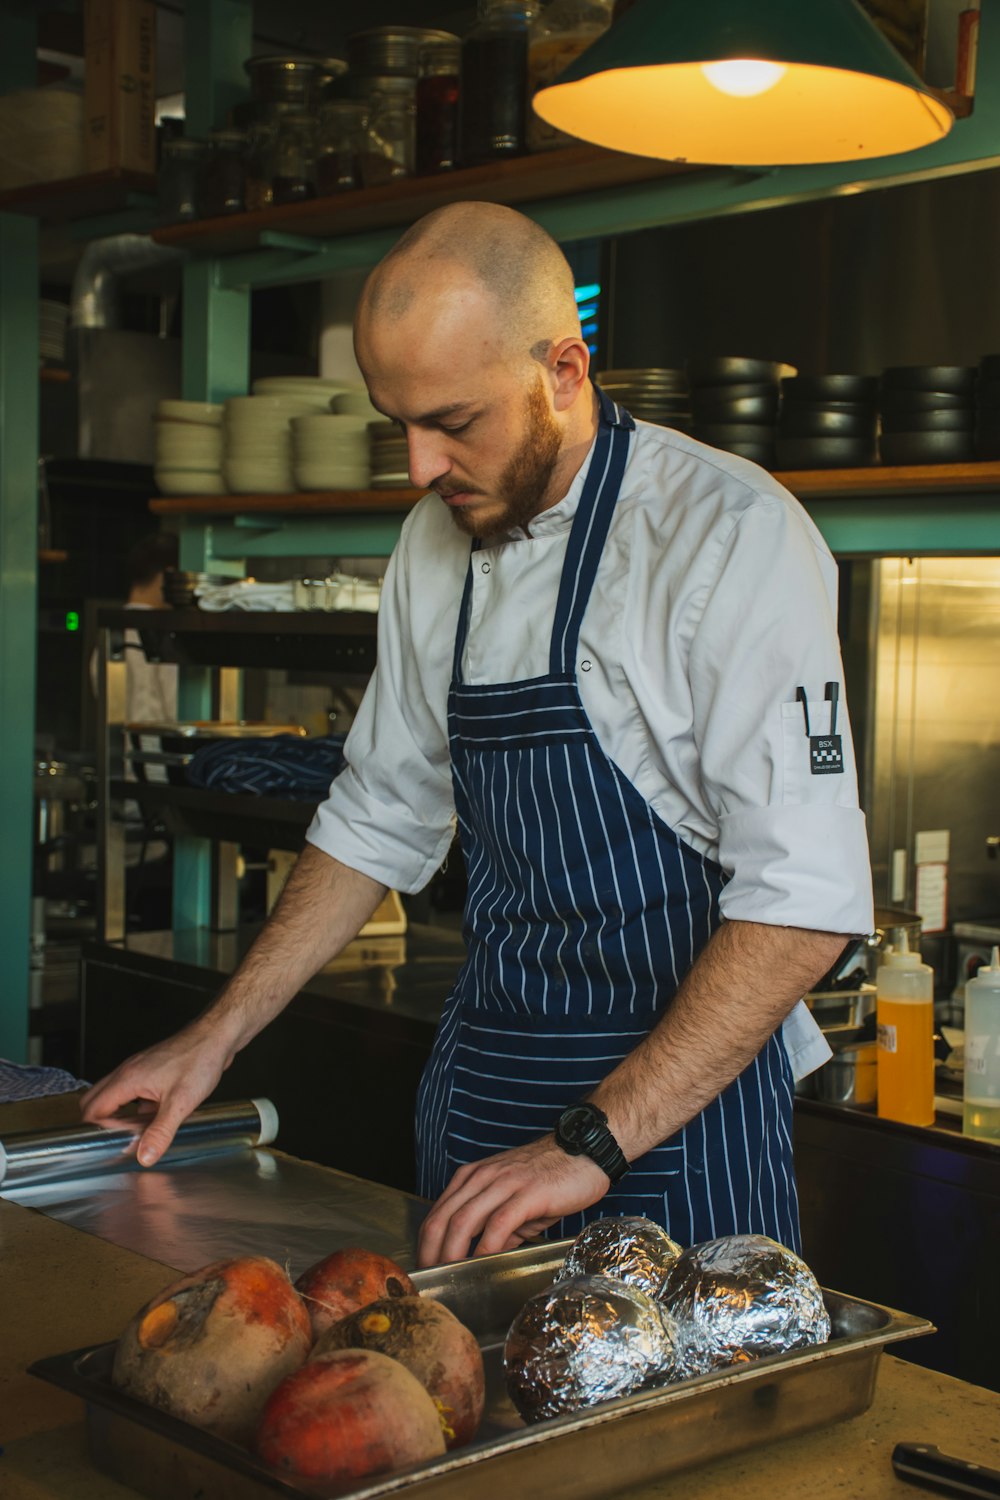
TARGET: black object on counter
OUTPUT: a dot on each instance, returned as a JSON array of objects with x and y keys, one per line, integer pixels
[{"x": 923, "y": 1464}]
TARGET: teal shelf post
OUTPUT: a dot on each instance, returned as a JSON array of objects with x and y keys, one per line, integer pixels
[
  {"x": 218, "y": 38},
  {"x": 216, "y": 364},
  {"x": 18, "y": 614}
]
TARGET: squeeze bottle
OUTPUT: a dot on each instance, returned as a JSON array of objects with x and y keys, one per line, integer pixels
[
  {"x": 981, "y": 1114},
  {"x": 905, "y": 1052}
]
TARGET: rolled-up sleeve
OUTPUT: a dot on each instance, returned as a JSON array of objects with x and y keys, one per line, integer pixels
[
  {"x": 791, "y": 834},
  {"x": 390, "y": 812}
]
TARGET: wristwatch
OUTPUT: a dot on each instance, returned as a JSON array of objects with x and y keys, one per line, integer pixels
[{"x": 582, "y": 1130}]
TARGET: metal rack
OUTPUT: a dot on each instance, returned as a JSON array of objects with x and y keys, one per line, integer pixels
[{"x": 217, "y": 282}]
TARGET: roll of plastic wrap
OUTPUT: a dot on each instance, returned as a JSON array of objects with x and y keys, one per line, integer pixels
[{"x": 88, "y": 1150}]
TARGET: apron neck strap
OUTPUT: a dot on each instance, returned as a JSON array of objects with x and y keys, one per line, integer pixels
[
  {"x": 590, "y": 531},
  {"x": 586, "y": 541}
]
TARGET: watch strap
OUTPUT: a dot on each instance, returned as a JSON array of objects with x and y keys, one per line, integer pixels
[{"x": 595, "y": 1141}]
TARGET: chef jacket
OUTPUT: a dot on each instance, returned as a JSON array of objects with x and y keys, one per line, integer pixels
[{"x": 714, "y": 604}]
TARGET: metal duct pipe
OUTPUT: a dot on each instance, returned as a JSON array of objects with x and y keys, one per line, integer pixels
[{"x": 94, "y": 298}]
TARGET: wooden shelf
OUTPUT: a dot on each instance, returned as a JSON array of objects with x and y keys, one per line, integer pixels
[
  {"x": 547, "y": 174},
  {"x": 316, "y": 502},
  {"x": 70, "y": 198},
  {"x": 803, "y": 483},
  {"x": 885, "y": 480}
]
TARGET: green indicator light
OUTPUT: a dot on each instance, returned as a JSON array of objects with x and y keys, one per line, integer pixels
[{"x": 72, "y": 620}]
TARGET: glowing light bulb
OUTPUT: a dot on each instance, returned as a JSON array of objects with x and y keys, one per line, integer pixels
[{"x": 743, "y": 76}]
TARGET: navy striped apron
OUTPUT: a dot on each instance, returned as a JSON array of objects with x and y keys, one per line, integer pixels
[{"x": 584, "y": 912}]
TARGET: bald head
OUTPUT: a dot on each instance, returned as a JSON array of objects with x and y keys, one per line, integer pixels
[{"x": 482, "y": 253}]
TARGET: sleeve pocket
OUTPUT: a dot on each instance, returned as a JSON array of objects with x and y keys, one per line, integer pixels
[{"x": 814, "y": 763}]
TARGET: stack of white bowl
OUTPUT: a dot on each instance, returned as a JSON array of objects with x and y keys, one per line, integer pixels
[
  {"x": 330, "y": 452},
  {"x": 313, "y": 391},
  {"x": 356, "y": 403},
  {"x": 188, "y": 448},
  {"x": 258, "y": 444}
]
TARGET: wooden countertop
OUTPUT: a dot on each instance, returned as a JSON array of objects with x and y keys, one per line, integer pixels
[{"x": 62, "y": 1289}]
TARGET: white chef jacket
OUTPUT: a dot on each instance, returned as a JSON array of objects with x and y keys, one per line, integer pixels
[{"x": 715, "y": 600}]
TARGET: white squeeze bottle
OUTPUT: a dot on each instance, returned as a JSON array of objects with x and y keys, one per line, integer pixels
[
  {"x": 981, "y": 1115},
  {"x": 905, "y": 1052}
]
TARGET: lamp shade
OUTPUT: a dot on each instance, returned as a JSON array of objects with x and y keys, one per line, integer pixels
[{"x": 745, "y": 82}]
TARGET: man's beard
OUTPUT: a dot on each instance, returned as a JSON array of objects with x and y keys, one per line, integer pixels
[{"x": 522, "y": 485}]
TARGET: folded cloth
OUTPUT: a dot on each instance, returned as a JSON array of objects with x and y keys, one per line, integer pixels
[
  {"x": 25, "y": 1081},
  {"x": 282, "y": 765}
]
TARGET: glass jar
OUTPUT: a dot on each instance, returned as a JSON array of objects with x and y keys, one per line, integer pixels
[
  {"x": 222, "y": 178},
  {"x": 437, "y": 106},
  {"x": 493, "y": 93},
  {"x": 564, "y": 29},
  {"x": 177, "y": 179},
  {"x": 286, "y": 79},
  {"x": 391, "y": 137},
  {"x": 340, "y": 143},
  {"x": 292, "y": 157},
  {"x": 385, "y": 51}
]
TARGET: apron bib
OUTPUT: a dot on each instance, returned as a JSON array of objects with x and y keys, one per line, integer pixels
[{"x": 584, "y": 913}]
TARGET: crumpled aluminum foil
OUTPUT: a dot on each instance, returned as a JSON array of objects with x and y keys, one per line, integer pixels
[
  {"x": 589, "y": 1339},
  {"x": 634, "y": 1250},
  {"x": 748, "y": 1296}
]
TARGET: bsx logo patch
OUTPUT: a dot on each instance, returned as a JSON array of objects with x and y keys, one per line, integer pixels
[{"x": 826, "y": 757}]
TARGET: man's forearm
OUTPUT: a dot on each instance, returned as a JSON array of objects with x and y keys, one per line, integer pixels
[
  {"x": 742, "y": 986},
  {"x": 323, "y": 906}
]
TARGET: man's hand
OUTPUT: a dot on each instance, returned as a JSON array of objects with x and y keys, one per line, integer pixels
[
  {"x": 173, "y": 1077},
  {"x": 508, "y": 1199}
]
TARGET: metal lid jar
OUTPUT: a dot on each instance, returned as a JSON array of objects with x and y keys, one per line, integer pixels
[
  {"x": 384, "y": 51},
  {"x": 181, "y": 159},
  {"x": 222, "y": 175},
  {"x": 340, "y": 143},
  {"x": 390, "y": 138},
  {"x": 437, "y": 106},
  {"x": 286, "y": 80}
]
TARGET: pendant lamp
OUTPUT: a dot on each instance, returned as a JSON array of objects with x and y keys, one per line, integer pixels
[{"x": 745, "y": 82}]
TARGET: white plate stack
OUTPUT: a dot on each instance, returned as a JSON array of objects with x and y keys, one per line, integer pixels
[
  {"x": 330, "y": 452},
  {"x": 390, "y": 460},
  {"x": 356, "y": 404},
  {"x": 188, "y": 448},
  {"x": 313, "y": 391},
  {"x": 257, "y": 457}
]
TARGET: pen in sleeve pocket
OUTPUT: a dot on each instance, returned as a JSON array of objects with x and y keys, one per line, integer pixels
[
  {"x": 832, "y": 696},
  {"x": 800, "y": 694}
]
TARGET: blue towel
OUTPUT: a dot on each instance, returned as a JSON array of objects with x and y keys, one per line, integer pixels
[
  {"x": 23, "y": 1081},
  {"x": 280, "y": 766}
]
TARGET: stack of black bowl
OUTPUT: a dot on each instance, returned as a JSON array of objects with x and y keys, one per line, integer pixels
[
  {"x": 734, "y": 402},
  {"x": 928, "y": 414},
  {"x": 828, "y": 422},
  {"x": 659, "y": 396},
  {"x": 987, "y": 433}
]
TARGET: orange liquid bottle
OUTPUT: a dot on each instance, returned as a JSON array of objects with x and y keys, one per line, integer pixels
[{"x": 905, "y": 1015}]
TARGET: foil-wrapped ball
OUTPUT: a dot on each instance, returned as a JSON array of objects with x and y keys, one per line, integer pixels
[
  {"x": 747, "y": 1296},
  {"x": 634, "y": 1250},
  {"x": 585, "y": 1340}
]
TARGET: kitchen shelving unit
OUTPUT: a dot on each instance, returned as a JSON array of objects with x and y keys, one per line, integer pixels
[{"x": 577, "y": 193}]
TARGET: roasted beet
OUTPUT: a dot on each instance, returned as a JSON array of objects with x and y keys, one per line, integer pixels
[
  {"x": 346, "y": 1415},
  {"x": 432, "y": 1344},
  {"x": 346, "y": 1280},
  {"x": 211, "y": 1348}
]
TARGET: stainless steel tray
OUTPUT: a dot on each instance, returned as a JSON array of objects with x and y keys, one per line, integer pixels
[{"x": 609, "y": 1448}]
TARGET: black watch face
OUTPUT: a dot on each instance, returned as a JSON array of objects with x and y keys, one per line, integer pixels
[{"x": 575, "y": 1124}]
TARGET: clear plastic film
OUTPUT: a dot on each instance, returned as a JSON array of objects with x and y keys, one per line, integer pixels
[
  {"x": 588, "y": 1339},
  {"x": 634, "y": 1250},
  {"x": 81, "y": 1151},
  {"x": 747, "y": 1296}
]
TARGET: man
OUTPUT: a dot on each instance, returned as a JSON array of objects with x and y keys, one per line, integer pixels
[{"x": 610, "y": 689}]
